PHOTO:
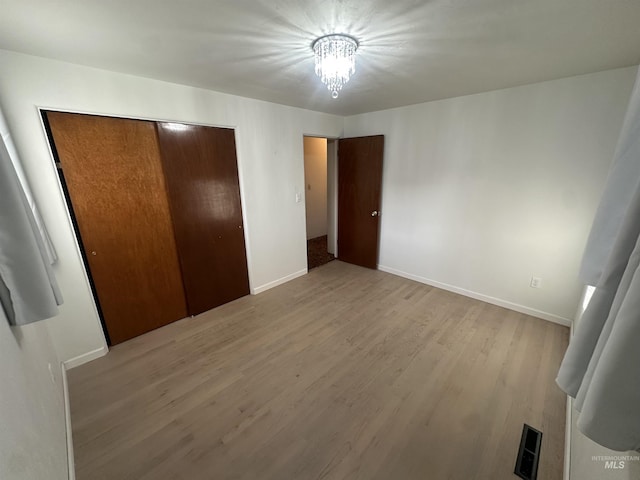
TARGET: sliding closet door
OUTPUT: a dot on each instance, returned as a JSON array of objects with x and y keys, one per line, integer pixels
[
  {"x": 114, "y": 176},
  {"x": 204, "y": 195}
]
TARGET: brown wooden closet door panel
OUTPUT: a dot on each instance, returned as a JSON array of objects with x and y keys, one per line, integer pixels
[
  {"x": 201, "y": 173},
  {"x": 114, "y": 177}
]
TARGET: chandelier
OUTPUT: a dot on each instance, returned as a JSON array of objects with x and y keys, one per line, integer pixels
[{"x": 335, "y": 60}]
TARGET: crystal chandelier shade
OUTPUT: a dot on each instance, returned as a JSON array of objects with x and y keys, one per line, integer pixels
[{"x": 335, "y": 60}]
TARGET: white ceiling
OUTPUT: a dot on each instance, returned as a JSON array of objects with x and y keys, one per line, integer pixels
[{"x": 410, "y": 51}]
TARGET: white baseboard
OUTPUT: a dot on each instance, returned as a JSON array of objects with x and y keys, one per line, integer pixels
[
  {"x": 67, "y": 365},
  {"x": 568, "y": 426},
  {"x": 85, "y": 357},
  {"x": 280, "y": 281},
  {"x": 67, "y": 417},
  {"x": 567, "y": 440},
  {"x": 479, "y": 296}
]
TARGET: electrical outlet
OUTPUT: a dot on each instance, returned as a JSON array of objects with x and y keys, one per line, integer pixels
[{"x": 536, "y": 282}]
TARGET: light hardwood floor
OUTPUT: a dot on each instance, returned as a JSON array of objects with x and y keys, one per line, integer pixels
[{"x": 345, "y": 373}]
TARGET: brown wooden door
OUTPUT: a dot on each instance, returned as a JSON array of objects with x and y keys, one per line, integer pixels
[
  {"x": 359, "y": 190},
  {"x": 114, "y": 178},
  {"x": 204, "y": 195}
]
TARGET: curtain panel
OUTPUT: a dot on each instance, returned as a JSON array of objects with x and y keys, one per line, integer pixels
[
  {"x": 28, "y": 288},
  {"x": 601, "y": 368}
]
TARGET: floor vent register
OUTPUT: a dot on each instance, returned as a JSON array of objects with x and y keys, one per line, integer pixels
[{"x": 529, "y": 453}]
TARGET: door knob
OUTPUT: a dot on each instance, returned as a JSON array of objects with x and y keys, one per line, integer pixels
[
  {"x": 93, "y": 253},
  {"x": 374, "y": 213}
]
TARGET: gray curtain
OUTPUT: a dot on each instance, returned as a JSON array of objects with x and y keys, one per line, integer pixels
[
  {"x": 13, "y": 155},
  {"x": 28, "y": 288},
  {"x": 601, "y": 368}
]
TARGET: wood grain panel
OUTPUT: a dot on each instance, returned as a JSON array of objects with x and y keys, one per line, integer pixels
[
  {"x": 114, "y": 176},
  {"x": 359, "y": 192},
  {"x": 344, "y": 373},
  {"x": 204, "y": 195}
]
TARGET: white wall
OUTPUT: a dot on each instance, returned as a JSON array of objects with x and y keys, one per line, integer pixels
[
  {"x": 482, "y": 192},
  {"x": 269, "y": 151},
  {"x": 315, "y": 177},
  {"x": 32, "y": 422}
]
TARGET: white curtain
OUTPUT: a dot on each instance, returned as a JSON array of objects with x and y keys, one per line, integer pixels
[
  {"x": 28, "y": 288},
  {"x": 13, "y": 156},
  {"x": 601, "y": 368}
]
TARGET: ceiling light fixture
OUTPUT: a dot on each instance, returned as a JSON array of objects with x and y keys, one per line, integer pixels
[{"x": 335, "y": 56}]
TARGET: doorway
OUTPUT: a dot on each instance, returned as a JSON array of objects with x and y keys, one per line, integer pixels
[{"x": 320, "y": 175}]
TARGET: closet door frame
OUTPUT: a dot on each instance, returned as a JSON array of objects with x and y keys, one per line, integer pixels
[{"x": 72, "y": 223}]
